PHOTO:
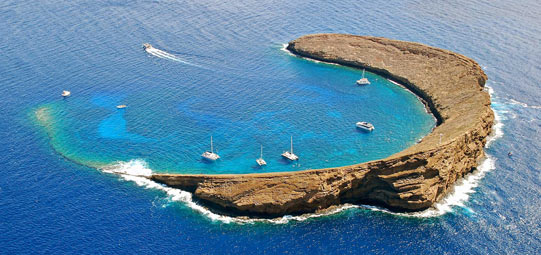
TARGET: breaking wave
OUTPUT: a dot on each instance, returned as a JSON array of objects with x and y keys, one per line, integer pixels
[
  {"x": 465, "y": 187},
  {"x": 284, "y": 48},
  {"x": 462, "y": 191},
  {"x": 138, "y": 172},
  {"x": 499, "y": 116}
]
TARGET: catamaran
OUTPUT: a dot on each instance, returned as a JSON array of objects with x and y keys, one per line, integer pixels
[
  {"x": 363, "y": 81},
  {"x": 365, "y": 125},
  {"x": 260, "y": 161},
  {"x": 210, "y": 155},
  {"x": 289, "y": 154}
]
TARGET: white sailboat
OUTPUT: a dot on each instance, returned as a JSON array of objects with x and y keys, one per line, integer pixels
[
  {"x": 363, "y": 80},
  {"x": 210, "y": 155},
  {"x": 260, "y": 161},
  {"x": 289, "y": 154}
]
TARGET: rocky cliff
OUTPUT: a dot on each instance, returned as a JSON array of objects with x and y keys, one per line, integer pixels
[{"x": 414, "y": 179}]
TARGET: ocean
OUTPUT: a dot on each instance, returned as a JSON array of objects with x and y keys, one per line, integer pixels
[{"x": 71, "y": 167}]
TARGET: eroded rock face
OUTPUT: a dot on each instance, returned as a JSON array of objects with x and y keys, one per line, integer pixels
[{"x": 411, "y": 180}]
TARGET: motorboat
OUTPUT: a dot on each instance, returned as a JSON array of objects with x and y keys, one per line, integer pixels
[
  {"x": 210, "y": 155},
  {"x": 147, "y": 46},
  {"x": 122, "y": 106},
  {"x": 365, "y": 126},
  {"x": 363, "y": 80},
  {"x": 289, "y": 154},
  {"x": 66, "y": 93}
]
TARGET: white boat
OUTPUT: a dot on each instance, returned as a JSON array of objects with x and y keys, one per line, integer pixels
[
  {"x": 289, "y": 154},
  {"x": 210, "y": 155},
  {"x": 122, "y": 106},
  {"x": 363, "y": 80},
  {"x": 147, "y": 46},
  {"x": 66, "y": 93},
  {"x": 260, "y": 161},
  {"x": 365, "y": 126}
]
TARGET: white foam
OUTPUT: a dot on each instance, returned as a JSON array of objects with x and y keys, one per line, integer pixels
[
  {"x": 138, "y": 172},
  {"x": 513, "y": 101},
  {"x": 497, "y": 129},
  {"x": 284, "y": 48},
  {"x": 137, "y": 167},
  {"x": 525, "y": 105},
  {"x": 461, "y": 193},
  {"x": 466, "y": 186},
  {"x": 499, "y": 116}
]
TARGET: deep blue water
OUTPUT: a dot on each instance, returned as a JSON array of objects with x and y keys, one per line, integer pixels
[{"x": 228, "y": 77}]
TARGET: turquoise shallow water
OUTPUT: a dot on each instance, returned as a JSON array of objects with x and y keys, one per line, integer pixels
[
  {"x": 230, "y": 52},
  {"x": 265, "y": 101}
]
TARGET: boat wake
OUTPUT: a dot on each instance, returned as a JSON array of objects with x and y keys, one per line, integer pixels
[{"x": 166, "y": 55}]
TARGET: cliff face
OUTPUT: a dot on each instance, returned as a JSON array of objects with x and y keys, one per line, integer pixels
[{"x": 411, "y": 180}]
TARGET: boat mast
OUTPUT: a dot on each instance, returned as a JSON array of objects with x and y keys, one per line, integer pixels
[
  {"x": 291, "y": 144},
  {"x": 363, "y": 73},
  {"x": 211, "y": 149},
  {"x": 261, "y": 156}
]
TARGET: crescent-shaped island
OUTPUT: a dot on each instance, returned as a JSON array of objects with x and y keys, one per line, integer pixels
[{"x": 452, "y": 87}]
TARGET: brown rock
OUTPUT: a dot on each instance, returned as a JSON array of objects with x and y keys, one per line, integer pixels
[{"x": 414, "y": 179}]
